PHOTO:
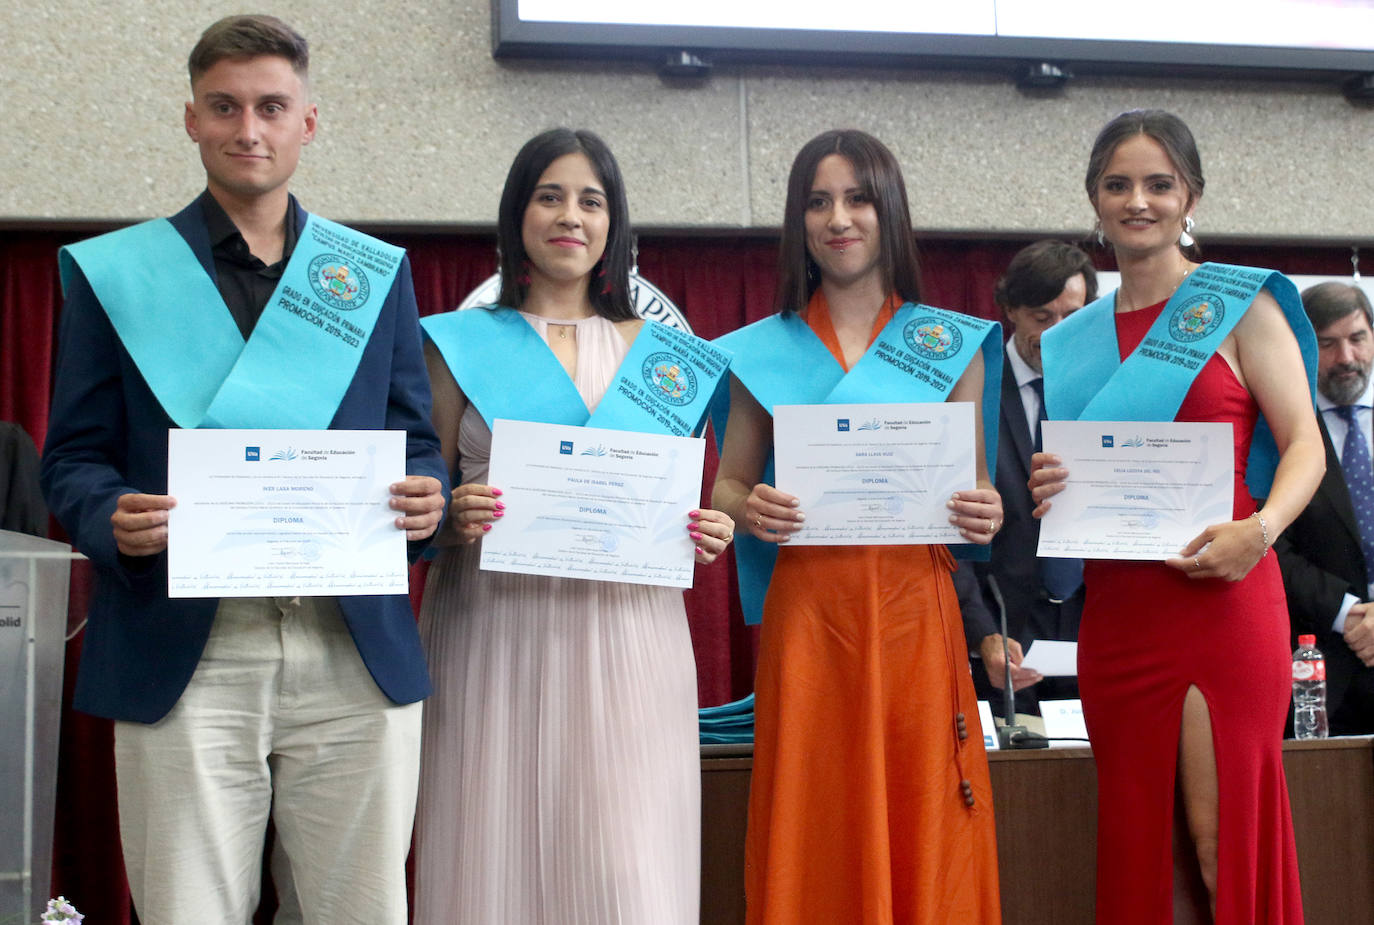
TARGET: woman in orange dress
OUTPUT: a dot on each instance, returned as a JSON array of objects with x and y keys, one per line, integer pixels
[{"x": 870, "y": 800}]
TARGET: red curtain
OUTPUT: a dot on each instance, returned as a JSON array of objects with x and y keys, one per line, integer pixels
[{"x": 720, "y": 282}]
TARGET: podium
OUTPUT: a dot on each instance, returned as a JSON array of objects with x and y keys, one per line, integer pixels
[
  {"x": 34, "y": 578},
  {"x": 1045, "y": 802}
]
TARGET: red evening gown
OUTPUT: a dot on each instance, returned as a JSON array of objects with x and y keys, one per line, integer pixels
[{"x": 1149, "y": 632}]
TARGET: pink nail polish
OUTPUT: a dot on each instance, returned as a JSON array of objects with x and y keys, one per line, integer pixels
[
  {"x": 695, "y": 536},
  {"x": 694, "y": 526},
  {"x": 500, "y": 506},
  {"x": 700, "y": 550},
  {"x": 498, "y": 513},
  {"x": 496, "y": 492},
  {"x": 486, "y": 527},
  {"x": 694, "y": 514}
]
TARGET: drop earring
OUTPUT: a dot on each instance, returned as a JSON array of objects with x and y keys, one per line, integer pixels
[
  {"x": 1101, "y": 238},
  {"x": 1186, "y": 239}
]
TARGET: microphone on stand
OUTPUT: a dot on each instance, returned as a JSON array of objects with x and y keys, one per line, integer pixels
[{"x": 1010, "y": 735}]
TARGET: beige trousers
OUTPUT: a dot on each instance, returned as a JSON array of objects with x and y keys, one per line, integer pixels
[{"x": 280, "y": 717}]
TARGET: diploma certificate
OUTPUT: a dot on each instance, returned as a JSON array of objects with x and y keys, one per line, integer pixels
[
  {"x": 1136, "y": 490},
  {"x": 874, "y": 475},
  {"x": 585, "y": 502},
  {"x": 280, "y": 513}
]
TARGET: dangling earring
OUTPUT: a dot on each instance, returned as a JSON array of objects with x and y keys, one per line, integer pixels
[
  {"x": 1186, "y": 239},
  {"x": 813, "y": 272},
  {"x": 525, "y": 272},
  {"x": 1101, "y": 238},
  {"x": 634, "y": 255}
]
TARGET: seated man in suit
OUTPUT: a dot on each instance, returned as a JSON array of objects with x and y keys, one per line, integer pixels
[
  {"x": 1327, "y": 554},
  {"x": 1043, "y": 285},
  {"x": 226, "y": 710}
]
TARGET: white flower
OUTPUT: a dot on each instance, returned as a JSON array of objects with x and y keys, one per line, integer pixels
[{"x": 59, "y": 910}]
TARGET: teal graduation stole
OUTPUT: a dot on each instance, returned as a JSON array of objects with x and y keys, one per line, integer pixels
[
  {"x": 162, "y": 305},
  {"x": 663, "y": 385},
  {"x": 1086, "y": 379},
  {"x": 917, "y": 357}
]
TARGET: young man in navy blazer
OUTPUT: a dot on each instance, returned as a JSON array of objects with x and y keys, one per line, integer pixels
[{"x": 230, "y": 709}]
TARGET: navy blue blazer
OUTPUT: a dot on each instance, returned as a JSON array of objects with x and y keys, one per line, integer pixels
[
  {"x": 107, "y": 436},
  {"x": 1322, "y": 561},
  {"x": 1030, "y": 613}
]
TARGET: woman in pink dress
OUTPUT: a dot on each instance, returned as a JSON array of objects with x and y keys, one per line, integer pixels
[{"x": 560, "y": 778}]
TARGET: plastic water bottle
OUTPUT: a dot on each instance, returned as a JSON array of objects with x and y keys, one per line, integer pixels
[{"x": 1309, "y": 690}]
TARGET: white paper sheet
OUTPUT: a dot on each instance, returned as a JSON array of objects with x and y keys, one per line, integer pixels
[
  {"x": 284, "y": 512},
  {"x": 1136, "y": 490},
  {"x": 583, "y": 502},
  {"x": 1052, "y": 658},
  {"x": 874, "y": 474}
]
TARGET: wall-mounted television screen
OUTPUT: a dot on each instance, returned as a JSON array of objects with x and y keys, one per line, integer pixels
[{"x": 1280, "y": 37}]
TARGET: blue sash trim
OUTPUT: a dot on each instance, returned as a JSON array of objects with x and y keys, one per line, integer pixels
[
  {"x": 483, "y": 345},
  {"x": 132, "y": 272},
  {"x": 776, "y": 359},
  {"x": 917, "y": 357},
  {"x": 1085, "y": 378},
  {"x": 664, "y": 384},
  {"x": 781, "y": 361},
  {"x": 325, "y": 306}
]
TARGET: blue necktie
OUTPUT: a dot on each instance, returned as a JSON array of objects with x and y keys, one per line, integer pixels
[
  {"x": 1359, "y": 477},
  {"x": 1061, "y": 577},
  {"x": 1038, "y": 385}
]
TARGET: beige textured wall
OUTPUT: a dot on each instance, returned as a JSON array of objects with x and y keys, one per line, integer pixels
[{"x": 419, "y": 122}]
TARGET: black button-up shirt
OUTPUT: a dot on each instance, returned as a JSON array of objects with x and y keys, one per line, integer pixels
[{"x": 245, "y": 282}]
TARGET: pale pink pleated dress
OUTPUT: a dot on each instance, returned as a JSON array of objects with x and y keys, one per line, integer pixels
[{"x": 560, "y": 781}]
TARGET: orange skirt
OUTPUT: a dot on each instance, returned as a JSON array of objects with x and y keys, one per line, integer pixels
[{"x": 858, "y": 808}]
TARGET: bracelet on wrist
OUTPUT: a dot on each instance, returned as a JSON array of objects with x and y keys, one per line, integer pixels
[{"x": 1264, "y": 531}]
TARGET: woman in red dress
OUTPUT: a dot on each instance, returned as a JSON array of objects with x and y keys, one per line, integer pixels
[{"x": 1184, "y": 664}]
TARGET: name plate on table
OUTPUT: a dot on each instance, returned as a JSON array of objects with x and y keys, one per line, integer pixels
[
  {"x": 278, "y": 513},
  {"x": 1136, "y": 490},
  {"x": 586, "y": 502},
  {"x": 1064, "y": 720},
  {"x": 875, "y": 474}
]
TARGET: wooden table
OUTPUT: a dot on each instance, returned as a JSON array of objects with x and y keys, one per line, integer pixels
[{"x": 1046, "y": 834}]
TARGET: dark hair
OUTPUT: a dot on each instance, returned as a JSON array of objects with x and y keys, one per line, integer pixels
[
  {"x": 1168, "y": 130},
  {"x": 1037, "y": 274},
  {"x": 609, "y": 295},
  {"x": 880, "y": 177},
  {"x": 249, "y": 37},
  {"x": 1327, "y": 303}
]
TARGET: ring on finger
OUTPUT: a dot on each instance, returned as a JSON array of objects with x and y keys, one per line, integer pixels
[{"x": 1196, "y": 563}]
